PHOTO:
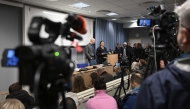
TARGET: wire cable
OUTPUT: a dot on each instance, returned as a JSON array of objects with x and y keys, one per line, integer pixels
[{"x": 154, "y": 46}]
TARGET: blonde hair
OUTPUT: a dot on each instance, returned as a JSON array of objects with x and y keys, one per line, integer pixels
[
  {"x": 135, "y": 66},
  {"x": 117, "y": 69},
  {"x": 11, "y": 104}
]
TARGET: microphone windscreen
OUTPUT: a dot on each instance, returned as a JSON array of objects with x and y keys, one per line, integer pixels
[{"x": 82, "y": 29}]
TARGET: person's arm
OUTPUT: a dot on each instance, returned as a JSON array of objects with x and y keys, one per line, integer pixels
[
  {"x": 86, "y": 52},
  {"x": 130, "y": 102}
]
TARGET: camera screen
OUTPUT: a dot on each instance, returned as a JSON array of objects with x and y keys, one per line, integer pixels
[
  {"x": 9, "y": 58},
  {"x": 117, "y": 64},
  {"x": 144, "y": 22}
]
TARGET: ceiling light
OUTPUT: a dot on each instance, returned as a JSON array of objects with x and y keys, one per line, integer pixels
[
  {"x": 80, "y": 5},
  {"x": 89, "y": 11},
  {"x": 112, "y": 14},
  {"x": 113, "y": 19}
]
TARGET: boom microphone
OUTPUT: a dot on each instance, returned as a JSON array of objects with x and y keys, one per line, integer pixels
[{"x": 78, "y": 23}]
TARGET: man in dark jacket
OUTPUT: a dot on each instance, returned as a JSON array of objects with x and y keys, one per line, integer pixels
[
  {"x": 103, "y": 74},
  {"x": 129, "y": 99},
  {"x": 89, "y": 50},
  {"x": 170, "y": 87},
  {"x": 16, "y": 92}
]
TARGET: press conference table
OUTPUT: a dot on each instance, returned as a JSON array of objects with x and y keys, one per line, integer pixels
[{"x": 86, "y": 74}]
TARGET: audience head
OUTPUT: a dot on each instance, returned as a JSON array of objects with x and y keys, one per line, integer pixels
[
  {"x": 124, "y": 44},
  {"x": 102, "y": 43},
  {"x": 99, "y": 84},
  {"x": 93, "y": 76},
  {"x": 78, "y": 84},
  {"x": 70, "y": 103},
  {"x": 128, "y": 44},
  {"x": 117, "y": 69},
  {"x": 100, "y": 70},
  {"x": 118, "y": 45},
  {"x": 183, "y": 37},
  {"x": 134, "y": 45},
  {"x": 11, "y": 104},
  {"x": 15, "y": 87},
  {"x": 92, "y": 41},
  {"x": 135, "y": 66},
  {"x": 148, "y": 45},
  {"x": 142, "y": 62},
  {"x": 136, "y": 80}
]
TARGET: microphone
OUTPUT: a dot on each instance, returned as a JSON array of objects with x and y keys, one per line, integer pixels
[{"x": 78, "y": 23}]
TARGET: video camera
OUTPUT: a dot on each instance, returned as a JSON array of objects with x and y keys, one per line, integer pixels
[
  {"x": 164, "y": 30},
  {"x": 165, "y": 26},
  {"x": 44, "y": 66}
]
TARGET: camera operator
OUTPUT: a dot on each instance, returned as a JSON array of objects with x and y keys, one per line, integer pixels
[{"x": 169, "y": 88}]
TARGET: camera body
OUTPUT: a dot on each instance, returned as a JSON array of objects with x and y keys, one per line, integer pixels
[{"x": 166, "y": 29}]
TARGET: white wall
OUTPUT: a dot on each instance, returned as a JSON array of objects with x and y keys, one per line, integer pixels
[
  {"x": 10, "y": 37},
  {"x": 143, "y": 34}
]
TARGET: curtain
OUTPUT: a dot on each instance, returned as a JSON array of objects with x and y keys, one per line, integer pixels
[{"x": 109, "y": 32}]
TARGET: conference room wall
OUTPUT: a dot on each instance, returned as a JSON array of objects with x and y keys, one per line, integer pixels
[
  {"x": 143, "y": 35},
  {"x": 10, "y": 37}
]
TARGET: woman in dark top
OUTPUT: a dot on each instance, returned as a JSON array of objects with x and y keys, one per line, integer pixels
[{"x": 101, "y": 52}]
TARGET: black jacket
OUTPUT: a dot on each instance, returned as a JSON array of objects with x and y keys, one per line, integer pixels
[
  {"x": 107, "y": 77},
  {"x": 100, "y": 57},
  {"x": 24, "y": 97},
  {"x": 118, "y": 50}
]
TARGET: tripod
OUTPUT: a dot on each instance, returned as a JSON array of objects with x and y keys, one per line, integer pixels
[
  {"x": 121, "y": 86},
  {"x": 160, "y": 55}
]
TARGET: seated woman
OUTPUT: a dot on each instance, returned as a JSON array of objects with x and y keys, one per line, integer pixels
[
  {"x": 93, "y": 76},
  {"x": 118, "y": 72},
  {"x": 101, "y": 100},
  {"x": 78, "y": 86},
  {"x": 134, "y": 66}
]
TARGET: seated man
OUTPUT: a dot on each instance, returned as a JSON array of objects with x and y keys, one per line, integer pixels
[
  {"x": 128, "y": 100},
  {"x": 70, "y": 104},
  {"x": 16, "y": 92},
  {"x": 103, "y": 74},
  {"x": 101, "y": 100}
]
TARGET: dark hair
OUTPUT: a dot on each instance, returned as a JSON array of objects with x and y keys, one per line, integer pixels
[
  {"x": 137, "y": 78},
  {"x": 101, "y": 42},
  {"x": 93, "y": 76},
  {"x": 143, "y": 62},
  {"x": 70, "y": 103},
  {"x": 99, "y": 84},
  {"x": 15, "y": 87},
  {"x": 78, "y": 84},
  {"x": 118, "y": 43}
]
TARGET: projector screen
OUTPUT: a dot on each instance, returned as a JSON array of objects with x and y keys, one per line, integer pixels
[{"x": 31, "y": 12}]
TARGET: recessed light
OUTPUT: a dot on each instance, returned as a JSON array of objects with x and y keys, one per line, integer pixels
[
  {"x": 113, "y": 19},
  {"x": 79, "y": 5},
  {"x": 89, "y": 11},
  {"x": 112, "y": 14}
]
